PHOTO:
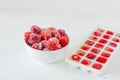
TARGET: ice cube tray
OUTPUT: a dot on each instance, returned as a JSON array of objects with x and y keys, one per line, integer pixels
[{"x": 96, "y": 51}]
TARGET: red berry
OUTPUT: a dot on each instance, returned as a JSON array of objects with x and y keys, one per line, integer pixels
[
  {"x": 27, "y": 35},
  {"x": 63, "y": 40},
  {"x": 56, "y": 34},
  {"x": 109, "y": 32},
  {"x": 105, "y": 54},
  {"x": 75, "y": 58},
  {"x": 62, "y": 32},
  {"x": 54, "y": 42},
  {"x": 45, "y": 44},
  {"x": 112, "y": 44},
  {"x": 85, "y": 47},
  {"x": 94, "y": 50},
  {"x": 116, "y": 40},
  {"x": 99, "y": 45},
  {"x": 80, "y": 53},
  {"x": 109, "y": 49},
  {"x": 103, "y": 41},
  {"x": 34, "y": 38},
  {"x": 106, "y": 36},
  {"x": 101, "y": 59},
  {"x": 86, "y": 62},
  {"x": 46, "y": 34},
  {"x": 90, "y": 56},
  {"x": 37, "y": 46},
  {"x": 93, "y": 38},
  {"x": 97, "y": 33},
  {"x": 97, "y": 66},
  {"x": 35, "y": 29},
  {"x": 90, "y": 43}
]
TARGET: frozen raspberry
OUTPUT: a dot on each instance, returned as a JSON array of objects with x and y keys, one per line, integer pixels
[
  {"x": 45, "y": 44},
  {"x": 90, "y": 56},
  {"x": 27, "y": 35},
  {"x": 35, "y": 29},
  {"x": 105, "y": 54},
  {"x": 86, "y": 62},
  {"x": 106, "y": 36},
  {"x": 80, "y": 53},
  {"x": 116, "y": 40},
  {"x": 93, "y": 38},
  {"x": 46, "y": 34},
  {"x": 85, "y": 47},
  {"x": 37, "y": 46},
  {"x": 56, "y": 34},
  {"x": 62, "y": 32},
  {"x": 112, "y": 44},
  {"x": 109, "y": 32},
  {"x": 90, "y": 43},
  {"x": 101, "y": 59},
  {"x": 109, "y": 49},
  {"x": 51, "y": 28},
  {"x": 94, "y": 50},
  {"x": 97, "y": 34},
  {"x": 103, "y": 41},
  {"x": 54, "y": 42},
  {"x": 34, "y": 38},
  {"x": 63, "y": 40},
  {"x": 75, "y": 58},
  {"x": 99, "y": 45},
  {"x": 97, "y": 66}
]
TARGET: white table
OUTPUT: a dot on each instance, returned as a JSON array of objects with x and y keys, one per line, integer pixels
[{"x": 14, "y": 62}]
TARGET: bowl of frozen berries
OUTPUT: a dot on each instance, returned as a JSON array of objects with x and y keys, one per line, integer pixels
[{"x": 46, "y": 45}]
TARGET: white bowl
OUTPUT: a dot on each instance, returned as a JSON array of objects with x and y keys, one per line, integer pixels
[{"x": 46, "y": 57}]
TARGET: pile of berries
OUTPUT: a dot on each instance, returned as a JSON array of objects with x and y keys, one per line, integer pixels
[{"x": 48, "y": 39}]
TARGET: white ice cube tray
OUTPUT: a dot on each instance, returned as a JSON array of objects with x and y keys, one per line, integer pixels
[{"x": 96, "y": 51}]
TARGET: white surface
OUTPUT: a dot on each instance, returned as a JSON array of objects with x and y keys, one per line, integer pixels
[
  {"x": 14, "y": 62},
  {"x": 77, "y": 17}
]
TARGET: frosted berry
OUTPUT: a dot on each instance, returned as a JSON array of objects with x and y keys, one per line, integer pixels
[
  {"x": 53, "y": 43},
  {"x": 35, "y": 29},
  {"x": 27, "y": 35},
  {"x": 63, "y": 40},
  {"x": 62, "y": 32},
  {"x": 34, "y": 38},
  {"x": 45, "y": 44},
  {"x": 46, "y": 34},
  {"x": 37, "y": 46},
  {"x": 56, "y": 34}
]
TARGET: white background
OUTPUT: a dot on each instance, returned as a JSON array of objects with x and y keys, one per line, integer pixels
[{"x": 77, "y": 17}]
